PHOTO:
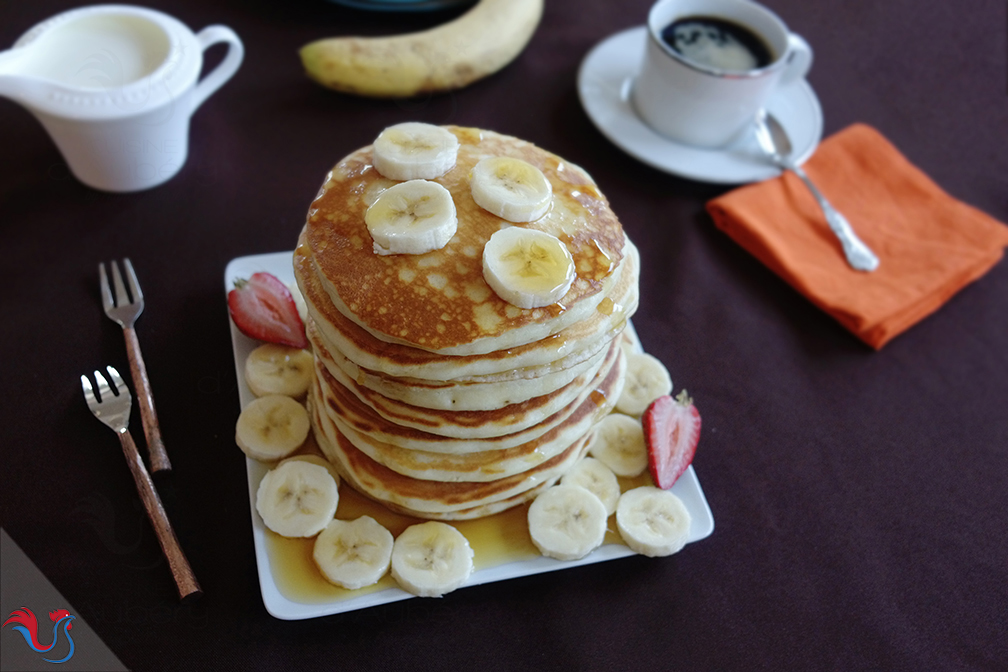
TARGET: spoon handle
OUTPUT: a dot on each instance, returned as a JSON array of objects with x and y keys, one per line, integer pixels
[{"x": 859, "y": 255}]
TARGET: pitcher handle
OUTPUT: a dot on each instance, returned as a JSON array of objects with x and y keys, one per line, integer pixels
[{"x": 236, "y": 52}]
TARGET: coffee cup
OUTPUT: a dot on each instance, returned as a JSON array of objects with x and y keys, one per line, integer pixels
[
  {"x": 704, "y": 76},
  {"x": 115, "y": 87}
]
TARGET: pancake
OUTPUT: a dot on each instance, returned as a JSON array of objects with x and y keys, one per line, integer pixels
[
  {"x": 436, "y": 499},
  {"x": 561, "y": 350},
  {"x": 492, "y": 462},
  {"x": 439, "y": 301},
  {"x": 364, "y": 419},
  {"x": 450, "y": 395},
  {"x": 460, "y": 424}
]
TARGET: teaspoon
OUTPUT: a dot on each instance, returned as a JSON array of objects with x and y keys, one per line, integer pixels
[{"x": 774, "y": 142}]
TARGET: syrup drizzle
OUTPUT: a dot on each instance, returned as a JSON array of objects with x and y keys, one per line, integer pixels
[{"x": 496, "y": 540}]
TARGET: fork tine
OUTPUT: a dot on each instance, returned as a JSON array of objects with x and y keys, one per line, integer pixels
[
  {"x": 89, "y": 395},
  {"x": 131, "y": 278},
  {"x": 121, "y": 298},
  {"x": 104, "y": 391},
  {"x": 106, "y": 292},
  {"x": 119, "y": 383}
]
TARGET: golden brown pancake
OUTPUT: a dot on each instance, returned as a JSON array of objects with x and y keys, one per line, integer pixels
[
  {"x": 436, "y": 499},
  {"x": 363, "y": 419},
  {"x": 438, "y": 301},
  {"x": 462, "y": 424},
  {"x": 454, "y": 395},
  {"x": 489, "y": 464},
  {"x": 566, "y": 348}
]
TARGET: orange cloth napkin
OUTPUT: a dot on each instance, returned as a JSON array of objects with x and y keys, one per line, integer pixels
[{"x": 929, "y": 244}]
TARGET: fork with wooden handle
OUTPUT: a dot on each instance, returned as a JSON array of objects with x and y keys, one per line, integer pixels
[
  {"x": 125, "y": 311},
  {"x": 113, "y": 408}
]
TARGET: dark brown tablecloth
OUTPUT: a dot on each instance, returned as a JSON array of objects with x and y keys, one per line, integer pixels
[{"x": 859, "y": 496}]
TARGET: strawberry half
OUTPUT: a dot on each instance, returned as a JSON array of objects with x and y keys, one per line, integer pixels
[
  {"x": 671, "y": 433},
  {"x": 262, "y": 307}
]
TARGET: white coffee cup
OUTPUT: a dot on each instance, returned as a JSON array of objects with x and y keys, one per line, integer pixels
[
  {"x": 702, "y": 105},
  {"x": 115, "y": 86}
]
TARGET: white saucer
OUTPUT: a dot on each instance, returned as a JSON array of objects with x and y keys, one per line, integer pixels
[{"x": 604, "y": 82}]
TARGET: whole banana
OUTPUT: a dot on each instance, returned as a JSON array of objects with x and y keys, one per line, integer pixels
[{"x": 449, "y": 56}]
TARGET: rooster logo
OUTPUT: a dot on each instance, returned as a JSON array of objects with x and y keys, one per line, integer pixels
[{"x": 28, "y": 627}]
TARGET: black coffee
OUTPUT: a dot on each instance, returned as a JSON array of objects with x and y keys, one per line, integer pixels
[{"x": 716, "y": 43}]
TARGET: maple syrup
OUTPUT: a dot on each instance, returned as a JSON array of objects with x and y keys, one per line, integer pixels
[
  {"x": 606, "y": 306},
  {"x": 496, "y": 540}
]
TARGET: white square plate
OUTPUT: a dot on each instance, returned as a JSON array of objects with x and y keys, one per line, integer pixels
[{"x": 288, "y": 605}]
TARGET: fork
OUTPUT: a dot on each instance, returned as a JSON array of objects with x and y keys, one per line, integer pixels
[
  {"x": 113, "y": 409},
  {"x": 125, "y": 312}
]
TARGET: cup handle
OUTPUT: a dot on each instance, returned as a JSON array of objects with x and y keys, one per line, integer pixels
[
  {"x": 236, "y": 52},
  {"x": 799, "y": 59}
]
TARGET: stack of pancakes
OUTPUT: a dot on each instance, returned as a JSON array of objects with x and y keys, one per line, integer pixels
[{"x": 433, "y": 395}]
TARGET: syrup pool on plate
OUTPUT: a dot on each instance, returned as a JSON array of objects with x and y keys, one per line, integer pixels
[{"x": 496, "y": 540}]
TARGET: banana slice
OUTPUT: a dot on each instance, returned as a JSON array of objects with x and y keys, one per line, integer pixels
[
  {"x": 567, "y": 522},
  {"x": 299, "y": 302},
  {"x": 412, "y": 218},
  {"x": 652, "y": 521},
  {"x": 415, "y": 151},
  {"x": 431, "y": 559},
  {"x": 597, "y": 479},
  {"x": 527, "y": 268},
  {"x": 279, "y": 369},
  {"x": 297, "y": 499},
  {"x": 315, "y": 459},
  {"x": 353, "y": 554},
  {"x": 646, "y": 380},
  {"x": 619, "y": 444},
  {"x": 510, "y": 188},
  {"x": 271, "y": 427}
]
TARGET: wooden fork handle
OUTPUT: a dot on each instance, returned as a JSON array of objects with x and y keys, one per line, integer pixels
[
  {"x": 152, "y": 430},
  {"x": 185, "y": 580}
]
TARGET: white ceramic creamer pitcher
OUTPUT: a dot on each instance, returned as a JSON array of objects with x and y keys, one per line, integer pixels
[{"x": 115, "y": 86}]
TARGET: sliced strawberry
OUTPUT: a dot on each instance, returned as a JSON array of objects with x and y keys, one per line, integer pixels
[
  {"x": 262, "y": 307},
  {"x": 671, "y": 433}
]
